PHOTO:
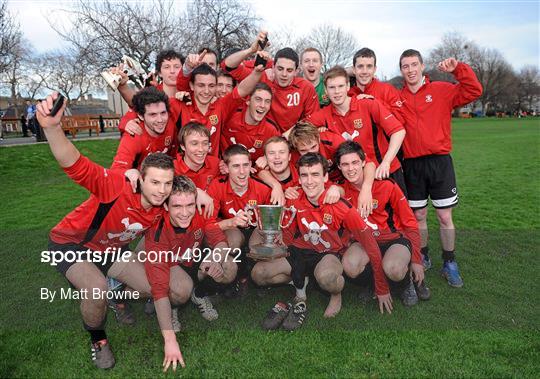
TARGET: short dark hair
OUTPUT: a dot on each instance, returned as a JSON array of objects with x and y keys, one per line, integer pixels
[
  {"x": 183, "y": 184},
  {"x": 157, "y": 160},
  {"x": 209, "y": 51},
  {"x": 225, "y": 74},
  {"x": 191, "y": 128},
  {"x": 202, "y": 69},
  {"x": 410, "y": 53},
  {"x": 148, "y": 95},
  {"x": 287, "y": 53},
  {"x": 167, "y": 55},
  {"x": 235, "y": 149},
  {"x": 312, "y": 159},
  {"x": 364, "y": 53},
  {"x": 349, "y": 147},
  {"x": 335, "y": 72},
  {"x": 262, "y": 87}
]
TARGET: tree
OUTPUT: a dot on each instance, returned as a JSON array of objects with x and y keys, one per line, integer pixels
[
  {"x": 334, "y": 43},
  {"x": 10, "y": 37},
  {"x": 104, "y": 31},
  {"x": 529, "y": 87},
  {"x": 219, "y": 24}
]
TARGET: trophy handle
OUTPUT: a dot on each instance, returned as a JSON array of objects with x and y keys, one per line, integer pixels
[
  {"x": 248, "y": 208},
  {"x": 292, "y": 209}
]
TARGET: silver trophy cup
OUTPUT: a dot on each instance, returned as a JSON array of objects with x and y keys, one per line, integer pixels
[
  {"x": 132, "y": 68},
  {"x": 269, "y": 219}
]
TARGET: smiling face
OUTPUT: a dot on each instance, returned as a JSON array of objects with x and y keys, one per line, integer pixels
[
  {"x": 169, "y": 71},
  {"x": 412, "y": 70},
  {"x": 351, "y": 166},
  {"x": 310, "y": 146},
  {"x": 239, "y": 169},
  {"x": 311, "y": 65},
  {"x": 278, "y": 157},
  {"x": 195, "y": 148},
  {"x": 312, "y": 180},
  {"x": 258, "y": 106},
  {"x": 224, "y": 85},
  {"x": 284, "y": 71},
  {"x": 364, "y": 70},
  {"x": 182, "y": 208},
  {"x": 156, "y": 186},
  {"x": 155, "y": 118},
  {"x": 336, "y": 89},
  {"x": 204, "y": 88}
]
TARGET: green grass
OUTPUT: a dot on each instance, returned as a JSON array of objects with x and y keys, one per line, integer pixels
[{"x": 489, "y": 328}]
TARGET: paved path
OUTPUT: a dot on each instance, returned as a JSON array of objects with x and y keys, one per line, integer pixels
[{"x": 21, "y": 141}]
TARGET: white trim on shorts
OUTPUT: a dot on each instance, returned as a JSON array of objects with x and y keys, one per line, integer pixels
[
  {"x": 417, "y": 204},
  {"x": 445, "y": 203}
]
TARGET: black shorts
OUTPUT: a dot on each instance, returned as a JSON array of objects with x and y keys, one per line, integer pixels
[
  {"x": 431, "y": 176},
  {"x": 87, "y": 255},
  {"x": 399, "y": 178},
  {"x": 303, "y": 263},
  {"x": 192, "y": 271},
  {"x": 384, "y": 246}
]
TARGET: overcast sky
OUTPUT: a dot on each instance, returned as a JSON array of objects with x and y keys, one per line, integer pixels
[{"x": 388, "y": 27}]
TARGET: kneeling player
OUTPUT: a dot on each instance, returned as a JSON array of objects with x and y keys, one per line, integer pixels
[
  {"x": 177, "y": 236},
  {"x": 232, "y": 196},
  {"x": 393, "y": 225},
  {"x": 316, "y": 238},
  {"x": 111, "y": 218}
]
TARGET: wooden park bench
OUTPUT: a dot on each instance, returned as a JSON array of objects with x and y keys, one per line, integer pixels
[{"x": 73, "y": 124}]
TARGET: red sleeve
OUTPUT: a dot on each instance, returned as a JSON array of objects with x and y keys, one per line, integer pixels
[
  {"x": 130, "y": 115},
  {"x": 105, "y": 184},
  {"x": 230, "y": 102},
  {"x": 311, "y": 104},
  {"x": 394, "y": 102},
  {"x": 213, "y": 233},
  {"x": 240, "y": 73},
  {"x": 182, "y": 82},
  {"x": 383, "y": 117},
  {"x": 468, "y": 89},
  {"x": 362, "y": 233},
  {"x": 406, "y": 221},
  {"x": 127, "y": 153},
  {"x": 157, "y": 271},
  {"x": 318, "y": 118}
]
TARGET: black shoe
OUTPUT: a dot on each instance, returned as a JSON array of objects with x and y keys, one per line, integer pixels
[
  {"x": 422, "y": 290},
  {"x": 276, "y": 316},
  {"x": 365, "y": 295},
  {"x": 409, "y": 296},
  {"x": 238, "y": 290},
  {"x": 149, "y": 308},
  {"x": 296, "y": 316}
]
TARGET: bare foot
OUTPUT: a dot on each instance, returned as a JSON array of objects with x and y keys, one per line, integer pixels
[{"x": 334, "y": 306}]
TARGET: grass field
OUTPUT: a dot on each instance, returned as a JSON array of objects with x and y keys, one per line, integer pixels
[{"x": 489, "y": 328}]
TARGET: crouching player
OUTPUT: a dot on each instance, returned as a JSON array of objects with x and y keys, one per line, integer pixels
[
  {"x": 179, "y": 236},
  {"x": 316, "y": 238},
  {"x": 394, "y": 227},
  {"x": 111, "y": 218}
]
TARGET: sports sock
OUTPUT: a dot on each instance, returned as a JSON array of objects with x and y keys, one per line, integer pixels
[
  {"x": 448, "y": 256},
  {"x": 301, "y": 292},
  {"x": 365, "y": 279},
  {"x": 403, "y": 283},
  {"x": 425, "y": 251},
  {"x": 97, "y": 333}
]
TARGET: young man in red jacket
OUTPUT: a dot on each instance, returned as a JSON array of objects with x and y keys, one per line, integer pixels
[
  {"x": 394, "y": 227},
  {"x": 109, "y": 220},
  {"x": 428, "y": 168},
  {"x": 364, "y": 69}
]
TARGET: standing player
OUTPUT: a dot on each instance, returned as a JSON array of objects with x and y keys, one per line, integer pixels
[
  {"x": 248, "y": 126},
  {"x": 429, "y": 171},
  {"x": 366, "y": 121},
  {"x": 232, "y": 196},
  {"x": 364, "y": 69},
  {"x": 111, "y": 218},
  {"x": 311, "y": 62},
  {"x": 318, "y": 235},
  {"x": 394, "y": 227},
  {"x": 294, "y": 98}
]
